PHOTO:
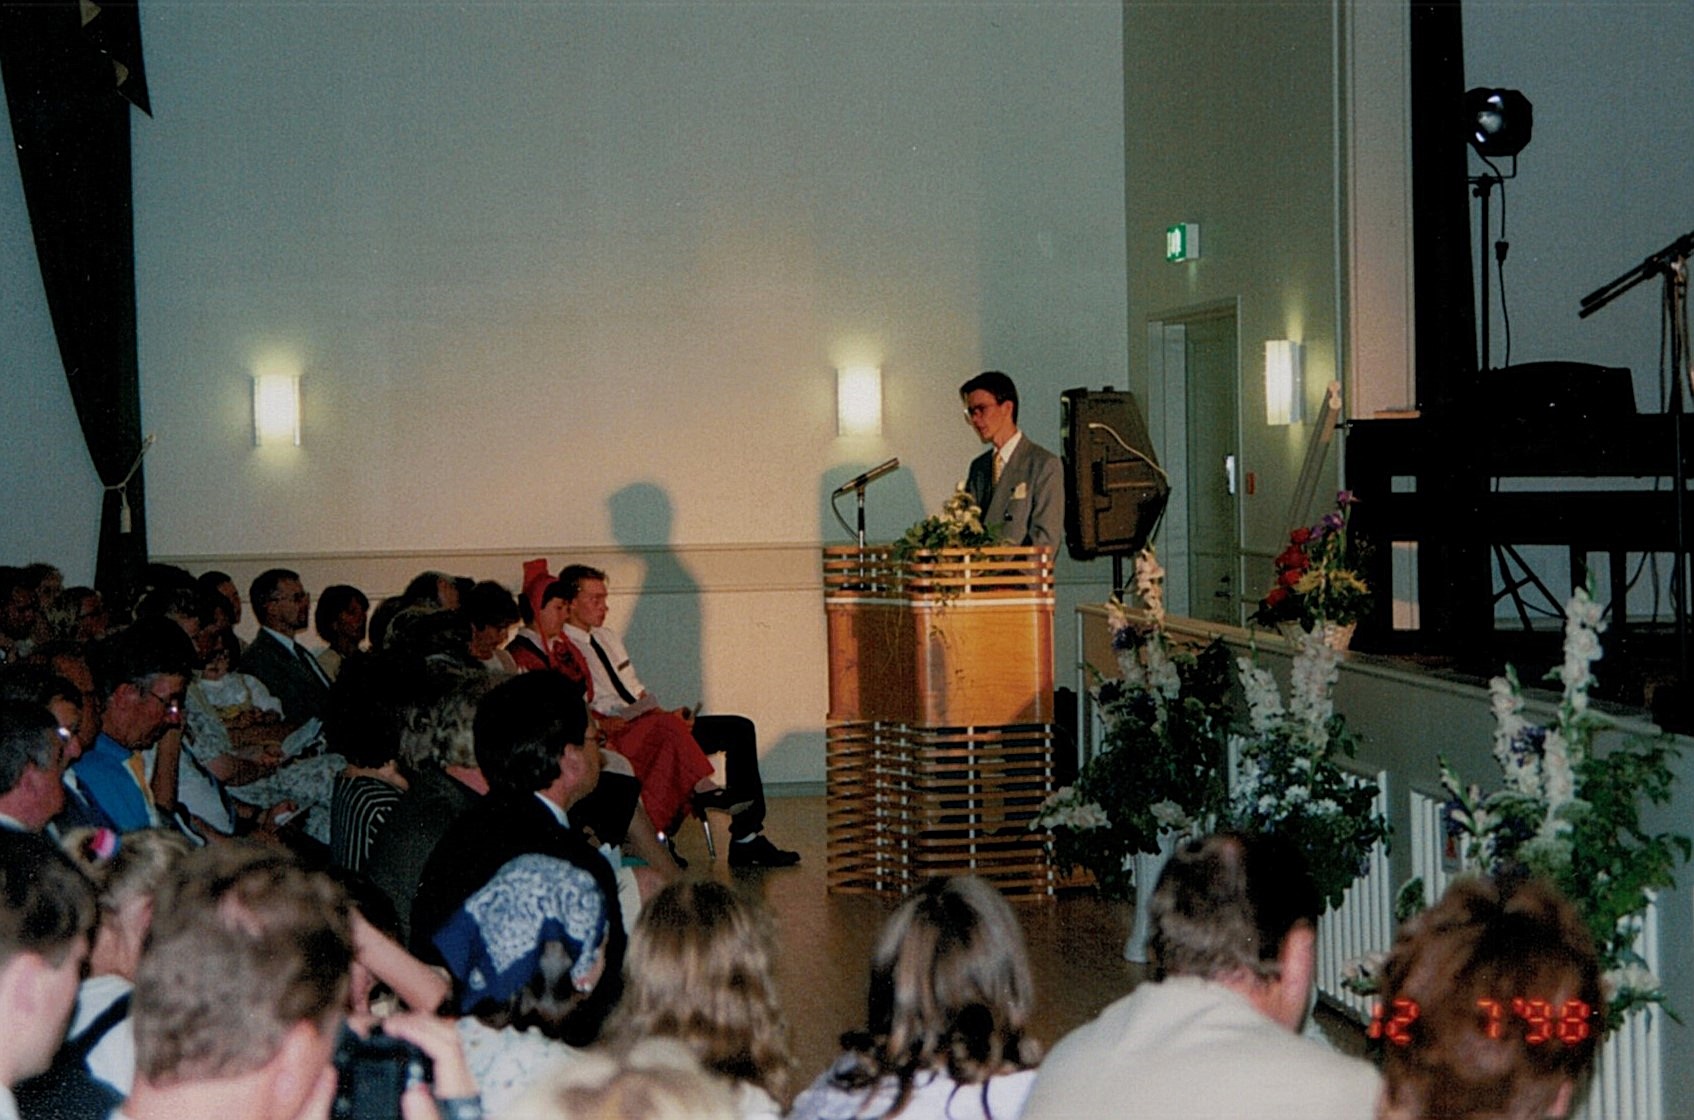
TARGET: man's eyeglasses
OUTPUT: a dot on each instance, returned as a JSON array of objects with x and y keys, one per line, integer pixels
[{"x": 171, "y": 704}]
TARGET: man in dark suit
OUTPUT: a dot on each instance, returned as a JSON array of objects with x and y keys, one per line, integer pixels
[
  {"x": 1019, "y": 486},
  {"x": 540, "y": 754},
  {"x": 285, "y": 666}
]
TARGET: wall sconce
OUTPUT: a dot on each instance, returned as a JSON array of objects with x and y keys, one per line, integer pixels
[
  {"x": 858, "y": 401},
  {"x": 276, "y": 409},
  {"x": 1285, "y": 396}
]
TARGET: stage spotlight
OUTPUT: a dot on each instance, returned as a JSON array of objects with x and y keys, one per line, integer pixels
[{"x": 1500, "y": 121}]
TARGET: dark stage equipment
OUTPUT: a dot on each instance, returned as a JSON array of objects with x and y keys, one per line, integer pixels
[{"x": 1115, "y": 490}]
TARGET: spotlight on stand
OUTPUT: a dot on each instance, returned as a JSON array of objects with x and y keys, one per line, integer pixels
[{"x": 1500, "y": 121}]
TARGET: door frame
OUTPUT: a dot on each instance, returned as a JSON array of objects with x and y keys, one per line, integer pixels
[{"x": 1167, "y": 407}]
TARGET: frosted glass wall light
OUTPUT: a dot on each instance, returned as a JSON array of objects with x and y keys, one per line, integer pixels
[
  {"x": 1284, "y": 383},
  {"x": 858, "y": 401},
  {"x": 276, "y": 410}
]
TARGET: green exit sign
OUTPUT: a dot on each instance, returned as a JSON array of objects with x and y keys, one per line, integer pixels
[{"x": 1182, "y": 242}]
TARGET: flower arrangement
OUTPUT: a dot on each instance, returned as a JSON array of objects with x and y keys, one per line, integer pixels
[
  {"x": 1315, "y": 582},
  {"x": 1571, "y": 815},
  {"x": 958, "y": 525},
  {"x": 1288, "y": 781},
  {"x": 1161, "y": 766}
]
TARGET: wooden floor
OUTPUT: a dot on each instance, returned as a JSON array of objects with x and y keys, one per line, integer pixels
[{"x": 1075, "y": 943}]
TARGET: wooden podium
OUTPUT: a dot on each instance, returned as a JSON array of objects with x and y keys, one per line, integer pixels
[{"x": 940, "y": 738}]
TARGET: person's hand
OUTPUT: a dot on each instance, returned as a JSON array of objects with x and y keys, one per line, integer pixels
[
  {"x": 274, "y": 817},
  {"x": 438, "y": 1038}
]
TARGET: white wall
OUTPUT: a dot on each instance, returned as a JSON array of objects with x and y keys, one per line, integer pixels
[{"x": 573, "y": 279}]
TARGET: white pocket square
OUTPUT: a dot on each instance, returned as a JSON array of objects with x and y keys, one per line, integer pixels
[{"x": 1021, "y": 492}]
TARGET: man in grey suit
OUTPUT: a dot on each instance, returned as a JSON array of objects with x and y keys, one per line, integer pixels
[
  {"x": 285, "y": 666},
  {"x": 1019, "y": 486}
]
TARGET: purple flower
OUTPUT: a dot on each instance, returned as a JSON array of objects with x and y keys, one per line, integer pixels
[
  {"x": 1344, "y": 498},
  {"x": 1331, "y": 523}
]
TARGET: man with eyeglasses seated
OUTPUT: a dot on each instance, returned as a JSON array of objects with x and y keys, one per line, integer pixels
[
  {"x": 142, "y": 675},
  {"x": 32, "y": 756},
  {"x": 1019, "y": 486},
  {"x": 275, "y": 656}
]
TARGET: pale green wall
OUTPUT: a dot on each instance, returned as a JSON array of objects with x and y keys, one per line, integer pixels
[{"x": 1229, "y": 112}]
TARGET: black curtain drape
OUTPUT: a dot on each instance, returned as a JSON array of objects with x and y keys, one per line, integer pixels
[{"x": 68, "y": 67}]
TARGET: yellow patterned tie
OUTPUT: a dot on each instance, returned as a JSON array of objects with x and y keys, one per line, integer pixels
[{"x": 999, "y": 465}]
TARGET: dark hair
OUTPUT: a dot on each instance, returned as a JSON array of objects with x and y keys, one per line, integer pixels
[
  {"x": 522, "y": 729},
  {"x": 183, "y": 603},
  {"x": 489, "y": 604},
  {"x": 27, "y": 735},
  {"x": 334, "y": 599},
  {"x": 150, "y": 648},
  {"x": 1226, "y": 903},
  {"x": 996, "y": 384},
  {"x": 571, "y": 580},
  {"x": 45, "y": 902},
  {"x": 425, "y": 589},
  {"x": 34, "y": 681},
  {"x": 265, "y": 585},
  {"x": 212, "y": 580},
  {"x": 362, "y": 716}
]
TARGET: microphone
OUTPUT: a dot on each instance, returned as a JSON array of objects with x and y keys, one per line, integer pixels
[{"x": 866, "y": 479}]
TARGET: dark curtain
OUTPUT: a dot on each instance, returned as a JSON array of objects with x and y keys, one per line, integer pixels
[{"x": 68, "y": 67}]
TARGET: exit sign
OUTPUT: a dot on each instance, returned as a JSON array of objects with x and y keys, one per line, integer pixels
[{"x": 1182, "y": 242}]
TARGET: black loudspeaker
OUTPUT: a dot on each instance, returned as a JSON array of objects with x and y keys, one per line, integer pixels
[{"x": 1115, "y": 492}]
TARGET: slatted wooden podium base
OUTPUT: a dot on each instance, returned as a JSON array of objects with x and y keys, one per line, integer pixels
[{"x": 940, "y": 739}]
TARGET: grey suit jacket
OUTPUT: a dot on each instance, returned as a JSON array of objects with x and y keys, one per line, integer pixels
[
  {"x": 302, "y": 692},
  {"x": 1028, "y": 504}
]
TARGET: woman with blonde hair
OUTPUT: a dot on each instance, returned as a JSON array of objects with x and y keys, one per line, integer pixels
[
  {"x": 950, "y": 999},
  {"x": 698, "y": 971},
  {"x": 658, "y": 1079},
  {"x": 127, "y": 872}
]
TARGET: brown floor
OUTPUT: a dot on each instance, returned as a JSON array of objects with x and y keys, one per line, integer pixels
[{"x": 1075, "y": 942}]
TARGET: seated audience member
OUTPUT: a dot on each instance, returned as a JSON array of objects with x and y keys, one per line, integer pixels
[
  {"x": 432, "y": 589},
  {"x": 240, "y": 996},
  {"x": 127, "y": 873},
  {"x": 220, "y": 584},
  {"x": 76, "y": 614},
  {"x": 493, "y": 617},
  {"x": 631, "y": 717},
  {"x": 950, "y": 999},
  {"x": 80, "y": 715},
  {"x": 1460, "y": 968},
  {"x": 657, "y": 1079},
  {"x": 238, "y": 699},
  {"x": 19, "y": 611},
  {"x": 1232, "y": 950},
  {"x": 525, "y": 951},
  {"x": 364, "y": 719},
  {"x": 46, "y": 914},
  {"x": 340, "y": 618},
  {"x": 33, "y": 756},
  {"x": 540, "y": 754},
  {"x": 275, "y": 656},
  {"x": 141, "y": 676},
  {"x": 230, "y": 774},
  {"x": 699, "y": 971},
  {"x": 49, "y": 584},
  {"x": 437, "y": 755}
]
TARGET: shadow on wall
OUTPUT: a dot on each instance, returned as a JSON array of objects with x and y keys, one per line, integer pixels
[
  {"x": 663, "y": 633},
  {"x": 891, "y": 505}
]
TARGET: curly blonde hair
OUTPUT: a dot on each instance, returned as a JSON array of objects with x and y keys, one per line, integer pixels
[{"x": 699, "y": 971}]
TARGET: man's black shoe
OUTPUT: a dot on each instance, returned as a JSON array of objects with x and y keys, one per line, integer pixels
[{"x": 760, "y": 852}]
